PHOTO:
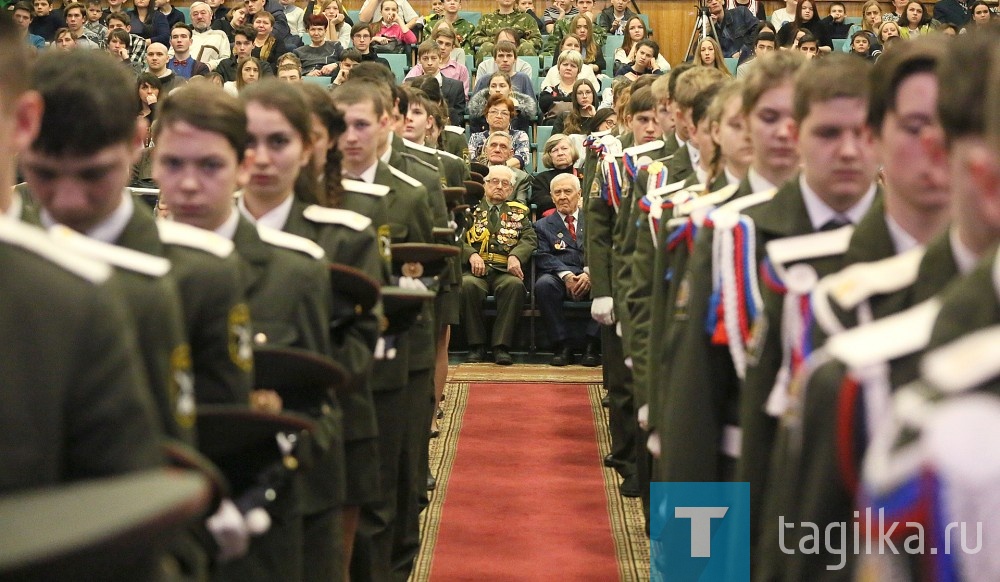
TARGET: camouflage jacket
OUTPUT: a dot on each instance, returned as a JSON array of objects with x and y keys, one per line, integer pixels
[
  {"x": 491, "y": 23},
  {"x": 463, "y": 28},
  {"x": 563, "y": 27}
]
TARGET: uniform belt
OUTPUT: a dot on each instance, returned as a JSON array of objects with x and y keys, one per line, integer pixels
[
  {"x": 732, "y": 441},
  {"x": 496, "y": 258}
]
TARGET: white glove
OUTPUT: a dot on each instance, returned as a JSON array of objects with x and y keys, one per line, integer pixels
[
  {"x": 644, "y": 417},
  {"x": 653, "y": 444},
  {"x": 628, "y": 360},
  {"x": 618, "y": 332},
  {"x": 385, "y": 348},
  {"x": 602, "y": 310},
  {"x": 229, "y": 530},
  {"x": 412, "y": 283}
]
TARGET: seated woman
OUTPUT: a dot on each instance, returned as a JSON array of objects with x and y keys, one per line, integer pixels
[
  {"x": 560, "y": 156},
  {"x": 981, "y": 15},
  {"x": 871, "y": 17},
  {"x": 392, "y": 33},
  {"x": 645, "y": 61},
  {"x": 636, "y": 31},
  {"x": 266, "y": 46},
  {"x": 577, "y": 120},
  {"x": 915, "y": 22},
  {"x": 887, "y": 32},
  {"x": 337, "y": 28},
  {"x": 499, "y": 111},
  {"x": 710, "y": 55},
  {"x": 247, "y": 71},
  {"x": 556, "y": 94},
  {"x": 806, "y": 18},
  {"x": 593, "y": 53},
  {"x": 499, "y": 84},
  {"x": 320, "y": 56}
]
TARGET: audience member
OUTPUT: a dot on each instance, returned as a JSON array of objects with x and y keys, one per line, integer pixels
[
  {"x": 765, "y": 43},
  {"x": 361, "y": 38},
  {"x": 46, "y": 21},
  {"x": 76, "y": 16},
  {"x": 435, "y": 53},
  {"x": 871, "y": 18},
  {"x": 166, "y": 8},
  {"x": 644, "y": 63},
  {"x": 710, "y": 55},
  {"x": 636, "y": 32},
  {"x": 94, "y": 20},
  {"x": 391, "y": 34},
  {"x": 337, "y": 29},
  {"x": 787, "y": 14},
  {"x": 23, "y": 15},
  {"x": 207, "y": 45},
  {"x": 560, "y": 157},
  {"x": 266, "y": 46},
  {"x": 577, "y": 120},
  {"x": 462, "y": 27},
  {"x": 560, "y": 9},
  {"x": 556, "y": 94},
  {"x": 505, "y": 60},
  {"x": 320, "y": 57},
  {"x": 915, "y": 22},
  {"x": 614, "y": 18},
  {"x": 899, "y": 11},
  {"x": 735, "y": 28},
  {"x": 506, "y": 16},
  {"x": 183, "y": 63},
  {"x": 242, "y": 48},
  {"x": 156, "y": 61},
  {"x": 499, "y": 84},
  {"x": 149, "y": 23},
  {"x": 247, "y": 72},
  {"x": 499, "y": 112},
  {"x": 836, "y": 22}
]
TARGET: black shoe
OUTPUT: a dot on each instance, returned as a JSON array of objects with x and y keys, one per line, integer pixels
[
  {"x": 440, "y": 413},
  {"x": 501, "y": 356},
  {"x": 609, "y": 461},
  {"x": 477, "y": 354},
  {"x": 432, "y": 483},
  {"x": 435, "y": 433},
  {"x": 590, "y": 358},
  {"x": 606, "y": 402},
  {"x": 630, "y": 487},
  {"x": 563, "y": 356}
]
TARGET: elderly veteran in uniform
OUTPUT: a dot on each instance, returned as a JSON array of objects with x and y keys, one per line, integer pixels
[
  {"x": 562, "y": 273},
  {"x": 495, "y": 255}
]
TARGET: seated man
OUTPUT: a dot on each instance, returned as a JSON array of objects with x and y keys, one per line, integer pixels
[
  {"x": 561, "y": 270},
  {"x": 497, "y": 248},
  {"x": 500, "y": 150}
]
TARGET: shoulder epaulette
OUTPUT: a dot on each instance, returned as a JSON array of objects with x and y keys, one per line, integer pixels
[
  {"x": 113, "y": 255},
  {"x": 418, "y": 160},
  {"x": 708, "y": 200},
  {"x": 455, "y": 129},
  {"x": 38, "y": 242},
  {"x": 516, "y": 204},
  {"x": 668, "y": 189},
  {"x": 176, "y": 233},
  {"x": 727, "y": 215},
  {"x": 886, "y": 339},
  {"x": 419, "y": 147},
  {"x": 405, "y": 177},
  {"x": 364, "y": 187},
  {"x": 340, "y": 216},
  {"x": 643, "y": 148},
  {"x": 809, "y": 246},
  {"x": 861, "y": 281},
  {"x": 290, "y": 241},
  {"x": 964, "y": 363}
]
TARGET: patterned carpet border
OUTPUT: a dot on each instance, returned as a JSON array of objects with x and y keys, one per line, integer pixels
[
  {"x": 442, "y": 459},
  {"x": 631, "y": 544},
  {"x": 524, "y": 373},
  {"x": 627, "y": 521}
]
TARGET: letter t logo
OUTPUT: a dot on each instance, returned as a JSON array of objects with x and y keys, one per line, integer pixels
[{"x": 701, "y": 527}]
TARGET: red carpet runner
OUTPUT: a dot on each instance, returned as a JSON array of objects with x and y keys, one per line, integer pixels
[{"x": 526, "y": 497}]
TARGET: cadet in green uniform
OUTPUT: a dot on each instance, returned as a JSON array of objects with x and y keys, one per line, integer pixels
[
  {"x": 506, "y": 16},
  {"x": 59, "y": 166},
  {"x": 498, "y": 246},
  {"x": 86, "y": 412},
  {"x": 407, "y": 218}
]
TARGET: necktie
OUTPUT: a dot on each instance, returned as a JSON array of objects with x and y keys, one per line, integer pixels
[
  {"x": 494, "y": 218},
  {"x": 834, "y": 223},
  {"x": 571, "y": 226},
  {"x": 180, "y": 63}
]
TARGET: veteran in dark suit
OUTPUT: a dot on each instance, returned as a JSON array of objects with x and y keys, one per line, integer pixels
[
  {"x": 561, "y": 268},
  {"x": 497, "y": 248}
]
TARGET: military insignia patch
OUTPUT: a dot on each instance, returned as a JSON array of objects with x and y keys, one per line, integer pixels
[
  {"x": 384, "y": 240},
  {"x": 756, "y": 343},
  {"x": 182, "y": 386},
  {"x": 240, "y": 344}
]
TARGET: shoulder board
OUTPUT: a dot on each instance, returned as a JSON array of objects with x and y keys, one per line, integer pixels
[
  {"x": 405, "y": 177},
  {"x": 418, "y": 160},
  {"x": 964, "y": 363},
  {"x": 727, "y": 215},
  {"x": 449, "y": 155},
  {"x": 646, "y": 147},
  {"x": 517, "y": 205},
  {"x": 668, "y": 189},
  {"x": 176, "y": 233},
  {"x": 600, "y": 133},
  {"x": 290, "y": 241},
  {"x": 419, "y": 146},
  {"x": 809, "y": 246},
  {"x": 886, "y": 339},
  {"x": 113, "y": 255},
  {"x": 860, "y": 281},
  {"x": 347, "y": 218},
  {"x": 37, "y": 241},
  {"x": 708, "y": 200},
  {"x": 455, "y": 129},
  {"x": 364, "y": 187}
]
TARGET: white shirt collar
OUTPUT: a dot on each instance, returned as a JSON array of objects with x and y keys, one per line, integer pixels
[
  {"x": 388, "y": 150},
  {"x": 965, "y": 259},
  {"x": 109, "y": 229},
  {"x": 694, "y": 154},
  {"x": 759, "y": 183},
  {"x": 16, "y": 206},
  {"x": 575, "y": 214},
  {"x": 274, "y": 218},
  {"x": 820, "y": 213},
  {"x": 731, "y": 177},
  {"x": 901, "y": 240},
  {"x": 227, "y": 229},
  {"x": 368, "y": 175},
  {"x": 701, "y": 173}
]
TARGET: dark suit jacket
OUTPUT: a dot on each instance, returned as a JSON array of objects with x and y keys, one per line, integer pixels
[
  {"x": 950, "y": 11},
  {"x": 454, "y": 93},
  {"x": 557, "y": 251}
]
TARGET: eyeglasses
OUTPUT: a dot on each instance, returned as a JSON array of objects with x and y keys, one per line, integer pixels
[
  {"x": 498, "y": 182},
  {"x": 502, "y": 112}
]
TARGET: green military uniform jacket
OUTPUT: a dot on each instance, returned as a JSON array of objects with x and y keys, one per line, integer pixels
[
  {"x": 76, "y": 400},
  {"x": 463, "y": 28},
  {"x": 516, "y": 236},
  {"x": 454, "y": 142},
  {"x": 490, "y": 24},
  {"x": 679, "y": 166}
]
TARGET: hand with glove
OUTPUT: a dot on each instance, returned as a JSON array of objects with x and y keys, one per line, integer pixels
[
  {"x": 602, "y": 310},
  {"x": 385, "y": 348}
]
